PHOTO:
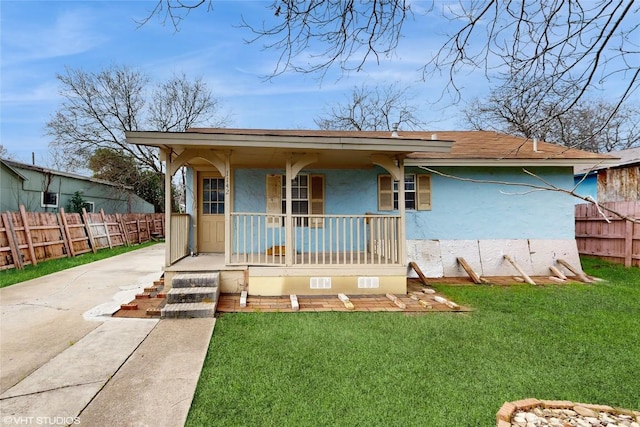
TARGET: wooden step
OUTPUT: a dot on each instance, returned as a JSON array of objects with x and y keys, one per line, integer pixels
[
  {"x": 194, "y": 280},
  {"x": 188, "y": 310},
  {"x": 199, "y": 294}
]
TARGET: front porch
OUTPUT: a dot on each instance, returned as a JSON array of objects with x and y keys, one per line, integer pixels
[
  {"x": 329, "y": 254},
  {"x": 277, "y": 280},
  {"x": 291, "y": 212}
]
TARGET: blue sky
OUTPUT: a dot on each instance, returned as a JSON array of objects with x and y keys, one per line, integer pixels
[{"x": 41, "y": 38}]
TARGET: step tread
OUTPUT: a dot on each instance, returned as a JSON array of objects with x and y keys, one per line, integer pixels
[
  {"x": 189, "y": 306},
  {"x": 188, "y": 310},
  {"x": 197, "y": 290}
]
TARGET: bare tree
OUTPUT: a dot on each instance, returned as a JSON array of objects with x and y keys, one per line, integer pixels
[
  {"x": 180, "y": 104},
  {"x": 98, "y": 109},
  {"x": 373, "y": 108},
  {"x": 564, "y": 43},
  {"x": 591, "y": 124},
  {"x": 4, "y": 153}
]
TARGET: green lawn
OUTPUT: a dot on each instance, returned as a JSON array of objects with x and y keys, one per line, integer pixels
[
  {"x": 571, "y": 342},
  {"x": 13, "y": 276}
]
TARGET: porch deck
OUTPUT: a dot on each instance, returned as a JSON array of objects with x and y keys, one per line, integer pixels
[{"x": 333, "y": 276}]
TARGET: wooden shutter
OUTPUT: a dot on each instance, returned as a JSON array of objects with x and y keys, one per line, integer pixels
[
  {"x": 274, "y": 200},
  {"x": 316, "y": 199},
  {"x": 423, "y": 192},
  {"x": 385, "y": 193}
]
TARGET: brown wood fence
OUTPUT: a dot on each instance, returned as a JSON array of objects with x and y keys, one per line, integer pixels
[
  {"x": 31, "y": 237},
  {"x": 616, "y": 240}
]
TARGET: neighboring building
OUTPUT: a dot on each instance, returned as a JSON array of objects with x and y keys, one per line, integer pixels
[
  {"x": 45, "y": 190},
  {"x": 614, "y": 182},
  {"x": 321, "y": 212}
]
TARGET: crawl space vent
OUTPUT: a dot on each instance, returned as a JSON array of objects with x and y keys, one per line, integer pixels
[
  {"x": 320, "y": 283},
  {"x": 368, "y": 282}
]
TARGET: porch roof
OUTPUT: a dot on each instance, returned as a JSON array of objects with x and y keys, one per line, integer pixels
[{"x": 267, "y": 148}]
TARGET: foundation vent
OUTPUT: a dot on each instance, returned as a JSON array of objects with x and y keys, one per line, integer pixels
[
  {"x": 320, "y": 282},
  {"x": 368, "y": 282}
]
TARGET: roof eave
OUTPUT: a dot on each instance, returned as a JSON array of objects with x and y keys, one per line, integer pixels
[
  {"x": 225, "y": 141},
  {"x": 506, "y": 162}
]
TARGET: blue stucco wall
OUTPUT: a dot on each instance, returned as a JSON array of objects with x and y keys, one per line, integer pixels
[
  {"x": 467, "y": 210},
  {"x": 588, "y": 186},
  {"x": 460, "y": 210}
]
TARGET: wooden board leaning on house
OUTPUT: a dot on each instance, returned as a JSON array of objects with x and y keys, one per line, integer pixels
[{"x": 31, "y": 237}]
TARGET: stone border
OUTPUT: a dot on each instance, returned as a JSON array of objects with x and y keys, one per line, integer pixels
[{"x": 508, "y": 409}]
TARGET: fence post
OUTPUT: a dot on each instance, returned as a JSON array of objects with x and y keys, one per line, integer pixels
[
  {"x": 13, "y": 241},
  {"x": 628, "y": 243},
  {"x": 123, "y": 228},
  {"x": 87, "y": 225},
  {"x": 27, "y": 233},
  {"x": 106, "y": 228},
  {"x": 64, "y": 231}
]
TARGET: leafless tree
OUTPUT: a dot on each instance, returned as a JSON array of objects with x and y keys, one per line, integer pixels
[
  {"x": 180, "y": 104},
  {"x": 373, "y": 108},
  {"x": 562, "y": 43},
  {"x": 4, "y": 153},
  {"x": 99, "y": 107},
  {"x": 591, "y": 124}
]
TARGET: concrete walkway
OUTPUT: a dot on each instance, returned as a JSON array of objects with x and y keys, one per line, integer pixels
[{"x": 64, "y": 360}]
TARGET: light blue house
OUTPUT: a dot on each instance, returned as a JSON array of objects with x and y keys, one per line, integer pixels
[{"x": 321, "y": 212}]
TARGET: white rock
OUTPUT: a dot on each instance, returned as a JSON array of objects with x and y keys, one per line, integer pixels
[
  {"x": 530, "y": 417},
  {"x": 520, "y": 418}
]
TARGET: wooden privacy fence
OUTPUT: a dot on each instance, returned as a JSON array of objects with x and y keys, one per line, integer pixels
[
  {"x": 616, "y": 240},
  {"x": 31, "y": 237}
]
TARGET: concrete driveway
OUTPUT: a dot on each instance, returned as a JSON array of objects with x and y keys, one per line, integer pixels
[{"x": 64, "y": 360}]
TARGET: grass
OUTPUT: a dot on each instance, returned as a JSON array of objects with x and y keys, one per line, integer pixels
[
  {"x": 572, "y": 342},
  {"x": 13, "y": 276}
]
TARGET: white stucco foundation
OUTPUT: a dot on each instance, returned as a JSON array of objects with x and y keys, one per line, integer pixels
[{"x": 438, "y": 258}]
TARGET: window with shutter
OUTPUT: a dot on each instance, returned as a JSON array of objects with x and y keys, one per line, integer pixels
[
  {"x": 316, "y": 199},
  {"x": 385, "y": 193},
  {"x": 307, "y": 197},
  {"x": 274, "y": 200},
  {"x": 417, "y": 192},
  {"x": 424, "y": 192}
]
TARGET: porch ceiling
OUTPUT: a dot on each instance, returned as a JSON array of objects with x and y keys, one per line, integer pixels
[{"x": 272, "y": 150}]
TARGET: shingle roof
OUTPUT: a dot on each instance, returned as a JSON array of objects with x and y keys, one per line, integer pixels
[{"x": 479, "y": 145}]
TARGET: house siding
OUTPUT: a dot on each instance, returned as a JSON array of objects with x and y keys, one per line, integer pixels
[
  {"x": 468, "y": 210},
  {"x": 27, "y": 192},
  {"x": 461, "y": 210}
]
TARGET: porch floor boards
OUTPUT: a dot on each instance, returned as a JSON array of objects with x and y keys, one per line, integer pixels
[{"x": 230, "y": 303}]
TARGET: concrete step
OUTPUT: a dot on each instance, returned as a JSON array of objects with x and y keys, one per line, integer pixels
[
  {"x": 200, "y": 294},
  {"x": 188, "y": 310},
  {"x": 194, "y": 280}
]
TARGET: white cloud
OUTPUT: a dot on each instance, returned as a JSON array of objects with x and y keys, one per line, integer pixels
[{"x": 71, "y": 32}]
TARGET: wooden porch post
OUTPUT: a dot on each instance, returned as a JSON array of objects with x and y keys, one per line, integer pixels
[
  {"x": 228, "y": 201},
  {"x": 165, "y": 154},
  {"x": 402, "y": 234},
  {"x": 288, "y": 223}
]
